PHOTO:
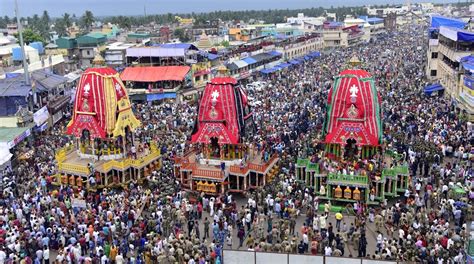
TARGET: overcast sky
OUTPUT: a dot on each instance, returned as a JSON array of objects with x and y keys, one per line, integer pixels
[{"x": 136, "y": 7}]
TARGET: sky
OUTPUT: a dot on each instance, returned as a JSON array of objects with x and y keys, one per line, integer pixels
[{"x": 136, "y": 7}]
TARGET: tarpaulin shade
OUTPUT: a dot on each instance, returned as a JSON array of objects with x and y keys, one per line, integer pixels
[
  {"x": 211, "y": 56},
  {"x": 275, "y": 53},
  {"x": 249, "y": 60},
  {"x": 161, "y": 96},
  {"x": 283, "y": 65},
  {"x": 156, "y": 52},
  {"x": 232, "y": 66},
  {"x": 241, "y": 63},
  {"x": 294, "y": 62},
  {"x": 433, "y": 88},
  {"x": 468, "y": 63},
  {"x": 438, "y": 21},
  {"x": 155, "y": 74},
  {"x": 314, "y": 54},
  {"x": 457, "y": 34},
  {"x": 267, "y": 71}
]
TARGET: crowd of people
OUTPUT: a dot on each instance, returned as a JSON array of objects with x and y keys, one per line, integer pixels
[{"x": 158, "y": 222}]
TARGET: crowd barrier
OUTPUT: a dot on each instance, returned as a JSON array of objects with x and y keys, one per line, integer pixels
[{"x": 252, "y": 257}]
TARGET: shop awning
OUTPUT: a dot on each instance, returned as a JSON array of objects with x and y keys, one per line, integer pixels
[
  {"x": 468, "y": 63},
  {"x": 14, "y": 135},
  {"x": 314, "y": 54},
  {"x": 232, "y": 66},
  {"x": 241, "y": 63},
  {"x": 249, "y": 60},
  {"x": 5, "y": 156},
  {"x": 267, "y": 71},
  {"x": 275, "y": 53},
  {"x": 283, "y": 65},
  {"x": 161, "y": 96},
  {"x": 457, "y": 34},
  {"x": 155, "y": 74},
  {"x": 433, "y": 88}
]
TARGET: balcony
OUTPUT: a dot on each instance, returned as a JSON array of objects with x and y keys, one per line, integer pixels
[{"x": 451, "y": 53}]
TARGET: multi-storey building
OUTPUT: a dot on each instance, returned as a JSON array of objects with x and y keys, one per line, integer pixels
[{"x": 455, "y": 44}]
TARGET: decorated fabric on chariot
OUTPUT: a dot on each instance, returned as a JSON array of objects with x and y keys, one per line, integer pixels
[
  {"x": 102, "y": 105},
  {"x": 353, "y": 110}
]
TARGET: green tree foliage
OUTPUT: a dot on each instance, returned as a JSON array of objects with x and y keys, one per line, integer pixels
[
  {"x": 86, "y": 20},
  {"x": 179, "y": 33},
  {"x": 62, "y": 24},
  {"x": 4, "y": 21},
  {"x": 267, "y": 16},
  {"x": 30, "y": 36}
]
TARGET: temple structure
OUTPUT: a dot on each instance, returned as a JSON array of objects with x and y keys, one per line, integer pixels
[
  {"x": 223, "y": 156},
  {"x": 105, "y": 152},
  {"x": 352, "y": 136},
  {"x": 353, "y": 124}
]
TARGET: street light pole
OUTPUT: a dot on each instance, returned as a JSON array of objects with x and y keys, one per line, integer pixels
[{"x": 20, "y": 33}]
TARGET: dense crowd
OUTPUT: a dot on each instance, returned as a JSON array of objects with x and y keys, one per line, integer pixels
[{"x": 157, "y": 222}]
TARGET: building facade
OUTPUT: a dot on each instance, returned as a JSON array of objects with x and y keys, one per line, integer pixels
[{"x": 300, "y": 46}]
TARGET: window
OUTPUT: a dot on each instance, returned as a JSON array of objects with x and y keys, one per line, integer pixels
[
  {"x": 88, "y": 52},
  {"x": 433, "y": 72},
  {"x": 434, "y": 55}
]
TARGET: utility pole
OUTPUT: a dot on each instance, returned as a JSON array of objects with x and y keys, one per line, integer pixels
[{"x": 22, "y": 45}]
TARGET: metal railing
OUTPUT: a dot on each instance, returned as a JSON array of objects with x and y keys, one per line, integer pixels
[{"x": 348, "y": 178}]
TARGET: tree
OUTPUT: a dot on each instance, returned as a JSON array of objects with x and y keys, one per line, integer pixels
[
  {"x": 43, "y": 27},
  {"x": 60, "y": 27},
  {"x": 67, "y": 20},
  {"x": 45, "y": 18},
  {"x": 30, "y": 36},
  {"x": 179, "y": 33},
  {"x": 87, "y": 19}
]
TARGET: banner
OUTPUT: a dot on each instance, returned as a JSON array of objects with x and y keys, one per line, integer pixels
[
  {"x": 41, "y": 116},
  {"x": 79, "y": 203},
  {"x": 469, "y": 82}
]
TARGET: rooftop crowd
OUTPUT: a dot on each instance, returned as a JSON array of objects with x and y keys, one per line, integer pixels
[{"x": 158, "y": 222}]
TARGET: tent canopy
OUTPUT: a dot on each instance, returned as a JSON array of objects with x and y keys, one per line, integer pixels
[
  {"x": 468, "y": 63},
  {"x": 457, "y": 34},
  {"x": 433, "y": 88},
  {"x": 155, "y": 74},
  {"x": 250, "y": 60},
  {"x": 438, "y": 21}
]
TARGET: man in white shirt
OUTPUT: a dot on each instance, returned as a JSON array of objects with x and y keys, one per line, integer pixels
[
  {"x": 45, "y": 255},
  {"x": 119, "y": 258},
  {"x": 39, "y": 255},
  {"x": 104, "y": 259},
  {"x": 3, "y": 256},
  {"x": 327, "y": 251}
]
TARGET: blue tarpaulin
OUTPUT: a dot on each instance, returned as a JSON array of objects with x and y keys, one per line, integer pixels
[
  {"x": 249, "y": 60},
  {"x": 160, "y": 96},
  {"x": 433, "y": 88},
  {"x": 275, "y": 53},
  {"x": 211, "y": 56},
  {"x": 283, "y": 65},
  {"x": 469, "y": 82},
  {"x": 11, "y": 75},
  {"x": 267, "y": 71},
  {"x": 314, "y": 54},
  {"x": 294, "y": 62},
  {"x": 438, "y": 21},
  {"x": 468, "y": 63}
]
